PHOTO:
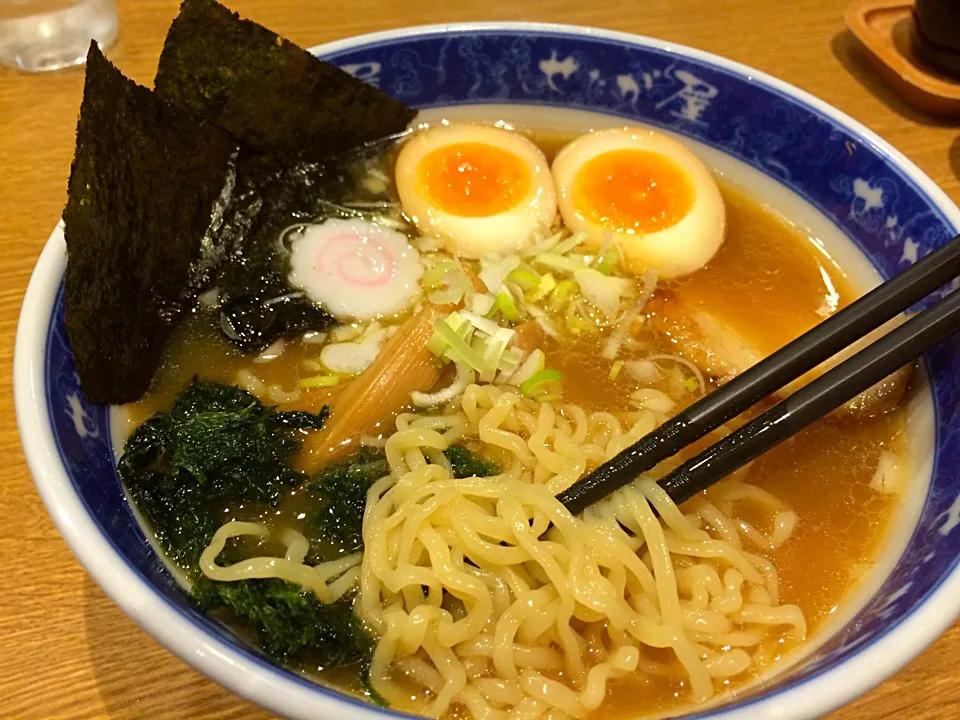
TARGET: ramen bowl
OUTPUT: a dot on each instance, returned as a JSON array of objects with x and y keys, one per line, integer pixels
[{"x": 812, "y": 163}]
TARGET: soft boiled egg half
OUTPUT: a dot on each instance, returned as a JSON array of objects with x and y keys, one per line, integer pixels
[
  {"x": 646, "y": 192},
  {"x": 478, "y": 188}
]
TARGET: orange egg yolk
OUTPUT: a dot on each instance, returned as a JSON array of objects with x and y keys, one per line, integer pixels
[
  {"x": 473, "y": 179},
  {"x": 632, "y": 191}
]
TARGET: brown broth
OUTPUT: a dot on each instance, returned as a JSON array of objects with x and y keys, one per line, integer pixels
[
  {"x": 197, "y": 349},
  {"x": 768, "y": 282}
]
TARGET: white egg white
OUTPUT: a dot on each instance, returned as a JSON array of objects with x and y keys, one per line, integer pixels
[
  {"x": 676, "y": 250},
  {"x": 471, "y": 237}
]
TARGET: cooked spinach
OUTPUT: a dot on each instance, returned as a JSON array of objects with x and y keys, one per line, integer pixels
[
  {"x": 340, "y": 492},
  {"x": 217, "y": 444},
  {"x": 466, "y": 463},
  {"x": 289, "y": 622}
]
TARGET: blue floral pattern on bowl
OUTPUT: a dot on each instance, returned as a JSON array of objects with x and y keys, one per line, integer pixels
[{"x": 850, "y": 180}]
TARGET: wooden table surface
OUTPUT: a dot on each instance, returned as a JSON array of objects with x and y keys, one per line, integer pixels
[{"x": 65, "y": 650}]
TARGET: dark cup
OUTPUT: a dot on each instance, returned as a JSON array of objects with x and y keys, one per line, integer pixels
[{"x": 936, "y": 34}]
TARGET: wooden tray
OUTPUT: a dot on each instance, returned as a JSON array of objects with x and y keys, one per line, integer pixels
[{"x": 884, "y": 28}]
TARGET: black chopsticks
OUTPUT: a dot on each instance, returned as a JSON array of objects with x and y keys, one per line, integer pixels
[{"x": 803, "y": 407}]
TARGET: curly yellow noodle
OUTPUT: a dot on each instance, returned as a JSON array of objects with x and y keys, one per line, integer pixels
[
  {"x": 488, "y": 597},
  {"x": 291, "y": 567}
]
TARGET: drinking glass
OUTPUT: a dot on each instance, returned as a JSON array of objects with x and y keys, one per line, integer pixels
[{"x": 40, "y": 35}]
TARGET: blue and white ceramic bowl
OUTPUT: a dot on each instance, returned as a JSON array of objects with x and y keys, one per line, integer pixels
[{"x": 840, "y": 174}]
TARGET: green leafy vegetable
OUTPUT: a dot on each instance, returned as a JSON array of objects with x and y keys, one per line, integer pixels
[
  {"x": 341, "y": 493},
  {"x": 466, "y": 463},
  {"x": 536, "y": 386},
  {"x": 290, "y": 623},
  {"x": 505, "y": 305},
  {"x": 178, "y": 511},
  {"x": 217, "y": 444}
]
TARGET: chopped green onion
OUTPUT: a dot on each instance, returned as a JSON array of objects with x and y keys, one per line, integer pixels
[
  {"x": 458, "y": 350},
  {"x": 561, "y": 262},
  {"x": 691, "y": 384},
  {"x": 483, "y": 304},
  {"x": 436, "y": 344},
  {"x": 510, "y": 360},
  {"x": 501, "y": 338},
  {"x": 319, "y": 381},
  {"x": 615, "y": 370},
  {"x": 459, "y": 323},
  {"x": 493, "y": 350},
  {"x": 570, "y": 243},
  {"x": 460, "y": 277},
  {"x": 575, "y": 320},
  {"x": 490, "y": 277},
  {"x": 612, "y": 347},
  {"x": 435, "y": 276},
  {"x": 481, "y": 323},
  {"x": 605, "y": 262},
  {"x": 448, "y": 281},
  {"x": 562, "y": 294},
  {"x": 505, "y": 305},
  {"x": 446, "y": 296},
  {"x": 455, "y": 322},
  {"x": 525, "y": 276},
  {"x": 534, "y": 363},
  {"x": 546, "y": 285},
  {"x": 608, "y": 254},
  {"x": 481, "y": 347},
  {"x": 602, "y": 291},
  {"x": 535, "y": 385},
  {"x": 493, "y": 271},
  {"x": 544, "y": 245},
  {"x": 542, "y": 320}
]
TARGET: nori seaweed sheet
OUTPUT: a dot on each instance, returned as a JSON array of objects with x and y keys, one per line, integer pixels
[
  {"x": 294, "y": 115},
  {"x": 163, "y": 202},
  {"x": 144, "y": 181},
  {"x": 268, "y": 92}
]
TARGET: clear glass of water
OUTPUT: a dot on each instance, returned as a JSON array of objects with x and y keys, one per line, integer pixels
[{"x": 41, "y": 35}]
